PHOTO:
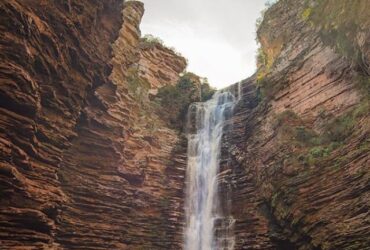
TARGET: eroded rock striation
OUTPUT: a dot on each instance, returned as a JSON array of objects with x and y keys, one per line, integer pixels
[
  {"x": 82, "y": 167},
  {"x": 158, "y": 65},
  {"x": 297, "y": 158}
]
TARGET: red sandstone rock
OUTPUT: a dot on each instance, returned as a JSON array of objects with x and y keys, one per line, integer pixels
[
  {"x": 79, "y": 169},
  {"x": 278, "y": 202},
  {"x": 159, "y": 65}
]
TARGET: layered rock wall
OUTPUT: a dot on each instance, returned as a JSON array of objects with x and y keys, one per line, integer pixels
[
  {"x": 53, "y": 57},
  {"x": 82, "y": 165},
  {"x": 291, "y": 191},
  {"x": 158, "y": 65}
]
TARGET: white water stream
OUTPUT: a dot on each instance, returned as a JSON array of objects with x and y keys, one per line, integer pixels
[{"x": 202, "y": 205}]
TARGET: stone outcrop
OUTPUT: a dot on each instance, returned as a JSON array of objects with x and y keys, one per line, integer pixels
[
  {"x": 52, "y": 60},
  {"x": 159, "y": 65},
  {"x": 81, "y": 166},
  {"x": 291, "y": 189}
]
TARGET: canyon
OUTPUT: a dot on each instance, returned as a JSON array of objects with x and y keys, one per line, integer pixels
[{"x": 90, "y": 160}]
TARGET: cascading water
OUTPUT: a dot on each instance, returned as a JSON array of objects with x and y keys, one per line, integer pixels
[{"x": 202, "y": 206}]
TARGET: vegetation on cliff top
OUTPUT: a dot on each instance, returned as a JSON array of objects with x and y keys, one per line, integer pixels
[
  {"x": 172, "y": 101},
  {"x": 150, "y": 41},
  {"x": 175, "y": 99},
  {"x": 264, "y": 57},
  {"x": 339, "y": 25}
]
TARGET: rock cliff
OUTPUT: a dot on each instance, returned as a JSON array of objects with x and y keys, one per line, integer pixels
[
  {"x": 84, "y": 165},
  {"x": 297, "y": 158},
  {"x": 159, "y": 65}
]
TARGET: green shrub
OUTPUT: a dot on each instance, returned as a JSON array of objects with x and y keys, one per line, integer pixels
[
  {"x": 338, "y": 39},
  {"x": 315, "y": 155},
  {"x": 305, "y": 135},
  {"x": 306, "y": 13},
  {"x": 340, "y": 128},
  {"x": 334, "y": 145},
  {"x": 176, "y": 99},
  {"x": 206, "y": 91},
  {"x": 285, "y": 116},
  {"x": 150, "y": 40},
  {"x": 363, "y": 83},
  {"x": 261, "y": 58},
  {"x": 319, "y": 151},
  {"x": 137, "y": 86},
  {"x": 339, "y": 23},
  {"x": 363, "y": 109}
]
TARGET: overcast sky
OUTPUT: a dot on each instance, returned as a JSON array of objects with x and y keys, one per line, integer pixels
[{"x": 216, "y": 36}]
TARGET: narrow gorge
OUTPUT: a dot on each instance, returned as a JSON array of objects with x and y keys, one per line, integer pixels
[{"x": 108, "y": 142}]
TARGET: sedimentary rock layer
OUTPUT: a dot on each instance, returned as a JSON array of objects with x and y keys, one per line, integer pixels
[
  {"x": 279, "y": 200},
  {"x": 80, "y": 167},
  {"x": 160, "y": 66},
  {"x": 53, "y": 56}
]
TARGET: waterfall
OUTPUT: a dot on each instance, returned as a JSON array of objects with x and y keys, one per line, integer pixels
[{"x": 202, "y": 206}]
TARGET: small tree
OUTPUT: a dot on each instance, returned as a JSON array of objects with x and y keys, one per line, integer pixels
[{"x": 176, "y": 99}]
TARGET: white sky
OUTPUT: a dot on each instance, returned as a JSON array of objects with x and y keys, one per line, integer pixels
[{"x": 216, "y": 36}]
